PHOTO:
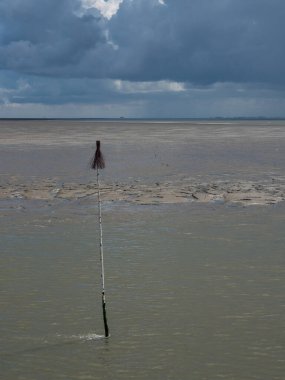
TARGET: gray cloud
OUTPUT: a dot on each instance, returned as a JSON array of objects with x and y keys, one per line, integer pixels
[
  {"x": 228, "y": 54},
  {"x": 46, "y": 37},
  {"x": 33, "y": 96},
  {"x": 199, "y": 42}
]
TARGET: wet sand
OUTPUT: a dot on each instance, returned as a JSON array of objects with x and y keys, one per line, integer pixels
[{"x": 175, "y": 192}]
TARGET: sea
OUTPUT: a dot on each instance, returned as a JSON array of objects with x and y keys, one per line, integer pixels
[{"x": 194, "y": 291}]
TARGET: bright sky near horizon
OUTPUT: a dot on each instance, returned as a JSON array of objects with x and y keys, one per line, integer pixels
[{"x": 142, "y": 58}]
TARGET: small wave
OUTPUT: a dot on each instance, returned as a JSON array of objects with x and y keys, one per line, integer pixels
[{"x": 47, "y": 343}]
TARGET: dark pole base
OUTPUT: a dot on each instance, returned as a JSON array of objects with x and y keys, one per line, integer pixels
[{"x": 106, "y": 328}]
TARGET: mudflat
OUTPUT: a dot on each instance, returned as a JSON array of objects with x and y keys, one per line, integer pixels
[{"x": 148, "y": 162}]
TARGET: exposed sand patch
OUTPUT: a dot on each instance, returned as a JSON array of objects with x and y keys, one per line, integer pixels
[{"x": 187, "y": 190}]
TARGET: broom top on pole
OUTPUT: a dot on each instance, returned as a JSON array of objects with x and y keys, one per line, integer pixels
[{"x": 98, "y": 160}]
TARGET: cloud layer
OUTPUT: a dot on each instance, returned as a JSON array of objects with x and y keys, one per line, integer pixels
[{"x": 50, "y": 50}]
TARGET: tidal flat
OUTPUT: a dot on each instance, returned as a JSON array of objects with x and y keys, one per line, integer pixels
[{"x": 193, "y": 223}]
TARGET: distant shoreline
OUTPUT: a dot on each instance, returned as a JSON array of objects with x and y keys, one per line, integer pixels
[{"x": 124, "y": 119}]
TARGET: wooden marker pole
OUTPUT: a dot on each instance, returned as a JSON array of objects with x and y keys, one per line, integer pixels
[{"x": 98, "y": 163}]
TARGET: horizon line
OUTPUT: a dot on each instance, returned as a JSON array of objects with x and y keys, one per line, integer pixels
[{"x": 122, "y": 118}]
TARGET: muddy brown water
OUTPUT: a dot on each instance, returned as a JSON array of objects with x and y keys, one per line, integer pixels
[{"x": 194, "y": 291}]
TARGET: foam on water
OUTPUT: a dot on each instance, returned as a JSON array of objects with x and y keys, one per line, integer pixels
[{"x": 90, "y": 336}]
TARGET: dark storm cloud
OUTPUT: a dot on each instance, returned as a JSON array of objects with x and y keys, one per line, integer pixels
[
  {"x": 46, "y": 37},
  {"x": 197, "y": 41},
  {"x": 201, "y": 41}
]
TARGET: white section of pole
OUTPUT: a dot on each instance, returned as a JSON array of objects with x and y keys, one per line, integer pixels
[{"x": 106, "y": 328}]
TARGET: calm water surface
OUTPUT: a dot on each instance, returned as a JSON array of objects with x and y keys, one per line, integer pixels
[{"x": 193, "y": 291}]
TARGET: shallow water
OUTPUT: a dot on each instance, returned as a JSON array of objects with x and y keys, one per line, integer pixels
[
  {"x": 194, "y": 291},
  {"x": 149, "y": 151}
]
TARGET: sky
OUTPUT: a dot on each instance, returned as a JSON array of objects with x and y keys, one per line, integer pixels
[{"x": 142, "y": 58}]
